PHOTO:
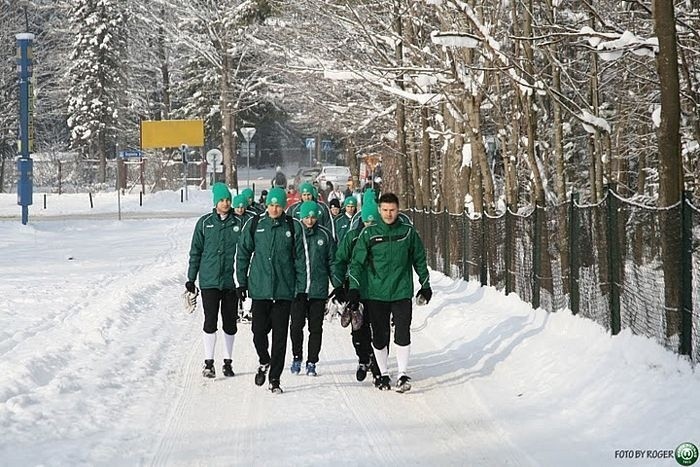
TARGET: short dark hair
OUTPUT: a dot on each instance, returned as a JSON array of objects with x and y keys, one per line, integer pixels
[{"x": 389, "y": 198}]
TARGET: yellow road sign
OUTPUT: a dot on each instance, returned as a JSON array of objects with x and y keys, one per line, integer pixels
[{"x": 171, "y": 133}]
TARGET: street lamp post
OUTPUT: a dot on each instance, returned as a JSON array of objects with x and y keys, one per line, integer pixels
[{"x": 248, "y": 133}]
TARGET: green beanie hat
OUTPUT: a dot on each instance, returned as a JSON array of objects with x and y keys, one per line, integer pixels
[
  {"x": 307, "y": 187},
  {"x": 370, "y": 211},
  {"x": 308, "y": 209},
  {"x": 350, "y": 201},
  {"x": 248, "y": 193},
  {"x": 240, "y": 201},
  {"x": 277, "y": 196},
  {"x": 220, "y": 191}
]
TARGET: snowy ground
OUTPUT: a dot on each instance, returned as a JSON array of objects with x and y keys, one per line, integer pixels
[{"x": 99, "y": 365}]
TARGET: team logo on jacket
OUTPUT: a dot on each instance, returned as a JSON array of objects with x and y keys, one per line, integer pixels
[
  {"x": 288, "y": 234},
  {"x": 236, "y": 228},
  {"x": 320, "y": 242}
]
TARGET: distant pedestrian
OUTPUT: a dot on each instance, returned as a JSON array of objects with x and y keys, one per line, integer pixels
[
  {"x": 343, "y": 220},
  {"x": 280, "y": 179},
  {"x": 211, "y": 260},
  {"x": 334, "y": 208}
]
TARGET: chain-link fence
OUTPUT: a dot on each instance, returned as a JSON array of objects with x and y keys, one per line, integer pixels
[
  {"x": 619, "y": 263},
  {"x": 80, "y": 175}
]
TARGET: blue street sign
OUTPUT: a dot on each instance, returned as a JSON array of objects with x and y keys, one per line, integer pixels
[
  {"x": 326, "y": 145},
  {"x": 128, "y": 153},
  {"x": 310, "y": 143}
]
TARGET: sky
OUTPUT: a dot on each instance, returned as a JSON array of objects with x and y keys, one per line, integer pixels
[{"x": 101, "y": 365}]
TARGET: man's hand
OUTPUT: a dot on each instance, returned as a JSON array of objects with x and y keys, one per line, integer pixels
[
  {"x": 242, "y": 293},
  {"x": 339, "y": 294},
  {"x": 353, "y": 299},
  {"x": 189, "y": 285},
  {"x": 424, "y": 295},
  {"x": 302, "y": 298}
]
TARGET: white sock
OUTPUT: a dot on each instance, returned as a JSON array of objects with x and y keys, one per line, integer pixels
[
  {"x": 229, "y": 338},
  {"x": 209, "y": 345},
  {"x": 402, "y": 353},
  {"x": 382, "y": 358}
]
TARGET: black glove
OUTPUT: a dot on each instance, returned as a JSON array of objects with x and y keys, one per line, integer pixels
[
  {"x": 353, "y": 299},
  {"x": 242, "y": 293},
  {"x": 189, "y": 285},
  {"x": 302, "y": 298},
  {"x": 426, "y": 294},
  {"x": 339, "y": 294}
]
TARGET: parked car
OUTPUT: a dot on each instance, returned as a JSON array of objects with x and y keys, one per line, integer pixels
[
  {"x": 306, "y": 174},
  {"x": 339, "y": 175}
]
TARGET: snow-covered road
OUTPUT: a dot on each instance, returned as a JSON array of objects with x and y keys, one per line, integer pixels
[{"x": 99, "y": 365}]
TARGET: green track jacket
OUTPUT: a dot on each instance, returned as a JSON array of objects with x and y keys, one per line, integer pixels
[
  {"x": 388, "y": 253},
  {"x": 319, "y": 253},
  {"x": 213, "y": 249},
  {"x": 270, "y": 261}
]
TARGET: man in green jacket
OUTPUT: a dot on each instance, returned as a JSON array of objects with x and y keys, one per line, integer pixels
[
  {"x": 211, "y": 258},
  {"x": 362, "y": 336},
  {"x": 269, "y": 267},
  {"x": 310, "y": 301},
  {"x": 308, "y": 193},
  {"x": 388, "y": 251},
  {"x": 342, "y": 222}
]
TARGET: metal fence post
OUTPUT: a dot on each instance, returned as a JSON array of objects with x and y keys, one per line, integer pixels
[
  {"x": 613, "y": 263},
  {"x": 446, "y": 243},
  {"x": 536, "y": 258},
  {"x": 574, "y": 292},
  {"x": 507, "y": 253},
  {"x": 686, "y": 344},
  {"x": 483, "y": 272},
  {"x": 466, "y": 250}
]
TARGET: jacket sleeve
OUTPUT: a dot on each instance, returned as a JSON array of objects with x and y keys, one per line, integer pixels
[
  {"x": 332, "y": 249},
  {"x": 196, "y": 248},
  {"x": 358, "y": 259},
  {"x": 244, "y": 251},
  {"x": 301, "y": 260},
  {"x": 419, "y": 261}
]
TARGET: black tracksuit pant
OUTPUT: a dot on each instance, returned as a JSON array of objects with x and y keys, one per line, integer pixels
[
  {"x": 215, "y": 300},
  {"x": 362, "y": 338},
  {"x": 311, "y": 310},
  {"x": 271, "y": 315}
]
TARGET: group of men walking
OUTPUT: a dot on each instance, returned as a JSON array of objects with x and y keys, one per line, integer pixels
[{"x": 284, "y": 257}]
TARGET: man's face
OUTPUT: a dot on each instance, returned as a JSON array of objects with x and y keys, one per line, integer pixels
[
  {"x": 306, "y": 196},
  {"x": 275, "y": 210},
  {"x": 223, "y": 206},
  {"x": 335, "y": 210},
  {"x": 239, "y": 211},
  {"x": 309, "y": 221},
  {"x": 351, "y": 209},
  {"x": 389, "y": 212}
]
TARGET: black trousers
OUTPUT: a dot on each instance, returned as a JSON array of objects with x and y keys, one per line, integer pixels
[
  {"x": 311, "y": 310},
  {"x": 362, "y": 338},
  {"x": 215, "y": 300},
  {"x": 381, "y": 314},
  {"x": 269, "y": 315}
]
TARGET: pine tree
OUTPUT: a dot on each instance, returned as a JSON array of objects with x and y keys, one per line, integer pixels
[{"x": 96, "y": 76}]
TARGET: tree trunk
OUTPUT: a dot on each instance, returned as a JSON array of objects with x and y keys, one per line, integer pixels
[
  {"x": 670, "y": 164},
  {"x": 400, "y": 110}
]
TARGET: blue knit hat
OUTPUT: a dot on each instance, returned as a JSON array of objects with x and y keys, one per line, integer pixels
[{"x": 220, "y": 191}]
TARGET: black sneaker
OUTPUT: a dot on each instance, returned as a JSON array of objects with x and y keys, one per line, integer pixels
[
  {"x": 261, "y": 374},
  {"x": 403, "y": 385},
  {"x": 361, "y": 373},
  {"x": 227, "y": 370},
  {"x": 374, "y": 368},
  {"x": 384, "y": 383},
  {"x": 208, "y": 371},
  {"x": 275, "y": 387}
]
